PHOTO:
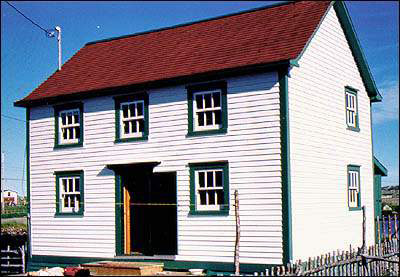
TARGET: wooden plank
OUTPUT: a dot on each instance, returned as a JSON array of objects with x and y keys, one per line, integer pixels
[{"x": 127, "y": 222}]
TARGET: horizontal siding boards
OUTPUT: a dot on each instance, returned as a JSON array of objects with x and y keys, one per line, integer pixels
[
  {"x": 252, "y": 147},
  {"x": 322, "y": 147}
]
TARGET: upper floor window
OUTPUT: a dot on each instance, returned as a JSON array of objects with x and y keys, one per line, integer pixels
[
  {"x": 207, "y": 108},
  {"x": 351, "y": 109},
  {"x": 353, "y": 185},
  {"x": 69, "y": 193},
  {"x": 69, "y": 125},
  {"x": 132, "y": 117},
  {"x": 209, "y": 188}
]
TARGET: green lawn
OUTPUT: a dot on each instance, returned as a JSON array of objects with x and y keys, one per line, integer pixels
[{"x": 14, "y": 211}]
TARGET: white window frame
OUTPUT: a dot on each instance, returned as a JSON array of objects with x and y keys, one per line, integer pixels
[
  {"x": 208, "y": 207},
  {"x": 204, "y": 110},
  {"x": 136, "y": 118},
  {"x": 65, "y": 191},
  {"x": 353, "y": 177},
  {"x": 351, "y": 109},
  {"x": 69, "y": 127}
]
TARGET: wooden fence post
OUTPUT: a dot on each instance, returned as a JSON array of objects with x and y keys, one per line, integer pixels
[
  {"x": 389, "y": 227},
  {"x": 363, "y": 230},
  {"x": 236, "y": 261},
  {"x": 396, "y": 229}
]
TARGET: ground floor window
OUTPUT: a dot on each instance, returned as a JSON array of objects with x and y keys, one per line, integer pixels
[
  {"x": 353, "y": 185},
  {"x": 209, "y": 188},
  {"x": 69, "y": 193}
]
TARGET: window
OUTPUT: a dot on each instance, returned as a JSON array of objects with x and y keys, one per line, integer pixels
[
  {"x": 351, "y": 109},
  {"x": 207, "y": 109},
  {"x": 353, "y": 184},
  {"x": 132, "y": 117},
  {"x": 69, "y": 193},
  {"x": 69, "y": 125},
  {"x": 209, "y": 188}
]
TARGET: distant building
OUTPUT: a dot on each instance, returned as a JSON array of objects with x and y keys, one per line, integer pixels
[
  {"x": 9, "y": 198},
  {"x": 390, "y": 195}
]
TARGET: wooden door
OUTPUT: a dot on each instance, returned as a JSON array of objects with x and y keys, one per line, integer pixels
[{"x": 127, "y": 221}]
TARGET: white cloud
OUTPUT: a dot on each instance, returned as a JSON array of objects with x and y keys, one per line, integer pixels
[{"x": 388, "y": 109}]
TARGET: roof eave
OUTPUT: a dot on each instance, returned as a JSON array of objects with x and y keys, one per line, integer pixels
[
  {"x": 381, "y": 168},
  {"x": 78, "y": 95}
]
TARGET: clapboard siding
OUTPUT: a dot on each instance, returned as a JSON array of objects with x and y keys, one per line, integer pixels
[
  {"x": 321, "y": 147},
  {"x": 251, "y": 145}
]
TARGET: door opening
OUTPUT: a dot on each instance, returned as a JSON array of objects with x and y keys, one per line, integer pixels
[{"x": 150, "y": 213}]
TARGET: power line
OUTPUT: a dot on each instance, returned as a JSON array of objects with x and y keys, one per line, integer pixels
[
  {"x": 10, "y": 117},
  {"x": 34, "y": 23},
  {"x": 13, "y": 179}
]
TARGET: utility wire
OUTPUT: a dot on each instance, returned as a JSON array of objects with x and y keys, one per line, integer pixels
[
  {"x": 37, "y": 25},
  {"x": 10, "y": 117},
  {"x": 13, "y": 179}
]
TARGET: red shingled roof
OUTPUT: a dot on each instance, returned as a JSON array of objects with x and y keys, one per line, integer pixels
[{"x": 255, "y": 37}]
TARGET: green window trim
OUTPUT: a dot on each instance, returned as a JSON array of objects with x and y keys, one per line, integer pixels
[
  {"x": 353, "y": 91},
  {"x": 57, "y": 110},
  {"x": 191, "y": 90},
  {"x": 128, "y": 98},
  {"x": 76, "y": 173},
  {"x": 224, "y": 210},
  {"x": 352, "y": 167}
]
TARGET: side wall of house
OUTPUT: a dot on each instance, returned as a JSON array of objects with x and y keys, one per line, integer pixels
[
  {"x": 321, "y": 146},
  {"x": 251, "y": 146}
]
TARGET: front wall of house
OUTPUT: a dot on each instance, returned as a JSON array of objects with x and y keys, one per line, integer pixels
[
  {"x": 251, "y": 145},
  {"x": 321, "y": 146}
]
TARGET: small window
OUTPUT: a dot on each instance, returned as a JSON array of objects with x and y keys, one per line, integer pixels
[
  {"x": 69, "y": 190},
  {"x": 69, "y": 125},
  {"x": 207, "y": 109},
  {"x": 209, "y": 188},
  {"x": 351, "y": 109},
  {"x": 131, "y": 117},
  {"x": 353, "y": 185}
]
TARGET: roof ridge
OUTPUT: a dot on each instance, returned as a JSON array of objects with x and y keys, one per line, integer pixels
[{"x": 282, "y": 3}]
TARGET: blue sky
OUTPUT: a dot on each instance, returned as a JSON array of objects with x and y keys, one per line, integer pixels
[{"x": 28, "y": 57}]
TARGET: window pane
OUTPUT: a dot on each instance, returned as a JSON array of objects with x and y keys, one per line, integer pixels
[
  {"x": 126, "y": 127},
  {"x": 216, "y": 99},
  {"x": 72, "y": 197},
  {"x": 220, "y": 197},
  {"x": 211, "y": 197},
  {"x": 76, "y": 117},
  {"x": 77, "y": 184},
  {"x": 218, "y": 178},
  {"x": 209, "y": 120},
  {"x": 200, "y": 118},
  {"x": 210, "y": 180},
  {"x": 69, "y": 118},
  {"x": 139, "y": 108},
  {"x": 207, "y": 98},
  {"x": 199, "y": 101},
  {"x": 141, "y": 125},
  {"x": 64, "y": 186},
  {"x": 133, "y": 126},
  {"x": 201, "y": 179},
  {"x": 78, "y": 199},
  {"x": 77, "y": 132},
  {"x": 125, "y": 111},
  {"x": 217, "y": 115},
  {"x": 64, "y": 119},
  {"x": 202, "y": 197},
  {"x": 132, "y": 110},
  {"x": 64, "y": 133},
  {"x": 66, "y": 202},
  {"x": 70, "y": 185}
]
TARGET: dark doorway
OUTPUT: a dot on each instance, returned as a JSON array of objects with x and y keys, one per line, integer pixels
[{"x": 152, "y": 216}]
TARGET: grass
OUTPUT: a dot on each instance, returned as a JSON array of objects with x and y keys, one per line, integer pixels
[
  {"x": 15, "y": 225},
  {"x": 14, "y": 211}
]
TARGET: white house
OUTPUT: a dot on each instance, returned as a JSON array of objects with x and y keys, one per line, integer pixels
[
  {"x": 137, "y": 144},
  {"x": 9, "y": 197}
]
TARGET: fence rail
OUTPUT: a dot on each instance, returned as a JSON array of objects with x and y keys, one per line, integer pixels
[{"x": 12, "y": 260}]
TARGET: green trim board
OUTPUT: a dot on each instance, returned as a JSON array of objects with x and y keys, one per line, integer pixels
[
  {"x": 28, "y": 184},
  {"x": 352, "y": 167},
  {"x": 119, "y": 222},
  {"x": 193, "y": 167},
  {"x": 215, "y": 85},
  {"x": 379, "y": 168},
  {"x": 356, "y": 50},
  {"x": 57, "y": 110},
  {"x": 52, "y": 261},
  {"x": 353, "y": 91},
  {"x": 127, "y": 98},
  {"x": 75, "y": 173},
  {"x": 285, "y": 160}
]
